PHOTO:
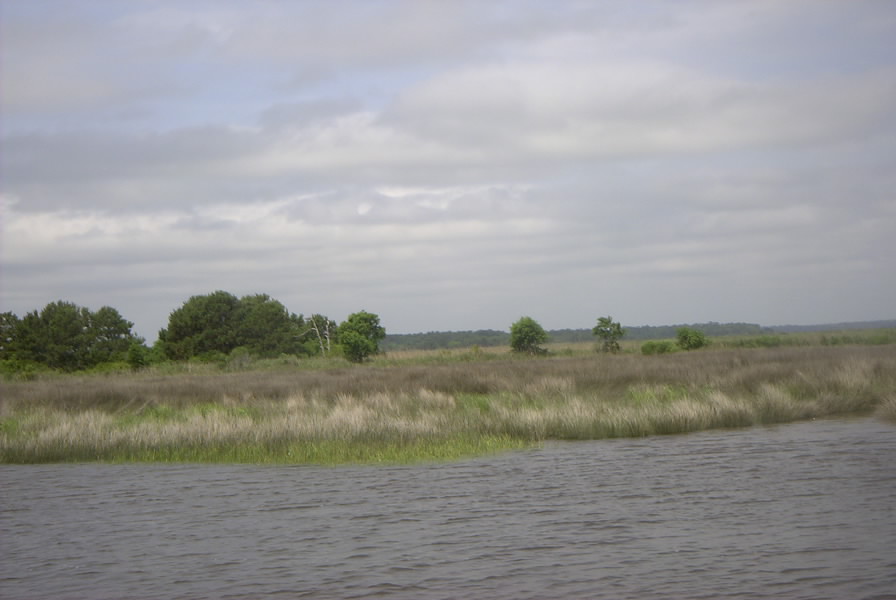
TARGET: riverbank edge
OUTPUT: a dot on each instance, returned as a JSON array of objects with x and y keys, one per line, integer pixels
[{"x": 118, "y": 444}]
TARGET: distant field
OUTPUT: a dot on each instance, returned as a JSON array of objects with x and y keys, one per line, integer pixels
[
  {"x": 433, "y": 405},
  {"x": 454, "y": 340},
  {"x": 763, "y": 340}
]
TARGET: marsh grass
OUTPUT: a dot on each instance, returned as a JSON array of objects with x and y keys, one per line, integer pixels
[
  {"x": 439, "y": 411},
  {"x": 886, "y": 410}
]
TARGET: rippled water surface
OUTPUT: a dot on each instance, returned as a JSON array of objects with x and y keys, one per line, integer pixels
[{"x": 795, "y": 511}]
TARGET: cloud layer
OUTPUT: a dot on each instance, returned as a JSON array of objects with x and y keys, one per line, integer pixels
[{"x": 453, "y": 165}]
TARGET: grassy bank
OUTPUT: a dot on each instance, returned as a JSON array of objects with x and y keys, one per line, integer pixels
[{"x": 435, "y": 411}]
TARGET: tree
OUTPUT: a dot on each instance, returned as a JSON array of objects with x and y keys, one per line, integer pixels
[
  {"x": 265, "y": 328},
  {"x": 690, "y": 339},
  {"x": 220, "y": 322},
  {"x": 320, "y": 334},
  {"x": 360, "y": 334},
  {"x": 9, "y": 323},
  {"x": 110, "y": 335},
  {"x": 137, "y": 355},
  {"x": 204, "y": 324},
  {"x": 609, "y": 332},
  {"x": 66, "y": 336},
  {"x": 61, "y": 330},
  {"x": 526, "y": 335}
]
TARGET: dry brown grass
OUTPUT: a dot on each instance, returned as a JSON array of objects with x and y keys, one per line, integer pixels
[{"x": 148, "y": 416}]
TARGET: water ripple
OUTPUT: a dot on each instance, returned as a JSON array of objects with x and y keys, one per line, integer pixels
[{"x": 796, "y": 511}]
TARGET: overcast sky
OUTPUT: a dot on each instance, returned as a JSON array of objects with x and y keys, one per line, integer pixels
[{"x": 453, "y": 165}]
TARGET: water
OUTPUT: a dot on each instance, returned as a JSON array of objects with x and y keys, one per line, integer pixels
[{"x": 795, "y": 511}]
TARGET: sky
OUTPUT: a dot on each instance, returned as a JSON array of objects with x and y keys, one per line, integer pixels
[{"x": 451, "y": 164}]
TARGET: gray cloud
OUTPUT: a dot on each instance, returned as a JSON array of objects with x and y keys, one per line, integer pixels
[{"x": 453, "y": 165}]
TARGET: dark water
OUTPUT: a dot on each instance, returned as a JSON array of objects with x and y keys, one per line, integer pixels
[{"x": 794, "y": 511}]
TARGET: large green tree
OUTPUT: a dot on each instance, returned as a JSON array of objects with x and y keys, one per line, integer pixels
[
  {"x": 66, "y": 336},
  {"x": 360, "y": 334},
  {"x": 111, "y": 335},
  {"x": 204, "y": 324},
  {"x": 527, "y": 335},
  {"x": 608, "y": 332},
  {"x": 266, "y": 328},
  {"x": 220, "y": 322}
]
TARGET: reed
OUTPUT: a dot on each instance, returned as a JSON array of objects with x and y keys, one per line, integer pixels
[
  {"x": 440, "y": 411},
  {"x": 886, "y": 411}
]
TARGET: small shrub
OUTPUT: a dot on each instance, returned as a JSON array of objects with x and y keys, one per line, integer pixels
[
  {"x": 239, "y": 359},
  {"x": 211, "y": 357},
  {"x": 654, "y": 347},
  {"x": 691, "y": 339},
  {"x": 107, "y": 368},
  {"x": 22, "y": 370},
  {"x": 137, "y": 355}
]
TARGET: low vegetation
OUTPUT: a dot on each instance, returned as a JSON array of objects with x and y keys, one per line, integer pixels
[
  {"x": 689, "y": 338},
  {"x": 657, "y": 347},
  {"x": 438, "y": 406}
]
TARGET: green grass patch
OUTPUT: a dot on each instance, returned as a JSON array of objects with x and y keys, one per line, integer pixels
[
  {"x": 314, "y": 452},
  {"x": 473, "y": 403}
]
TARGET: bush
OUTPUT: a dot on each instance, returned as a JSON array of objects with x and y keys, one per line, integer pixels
[
  {"x": 137, "y": 355},
  {"x": 355, "y": 347},
  {"x": 24, "y": 370},
  {"x": 239, "y": 359},
  {"x": 652, "y": 347},
  {"x": 690, "y": 339},
  {"x": 526, "y": 335},
  {"x": 211, "y": 357}
]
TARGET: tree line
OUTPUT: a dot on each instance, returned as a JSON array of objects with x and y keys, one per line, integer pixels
[
  {"x": 436, "y": 340},
  {"x": 64, "y": 336},
  {"x": 215, "y": 326},
  {"x": 527, "y": 335},
  {"x": 68, "y": 337}
]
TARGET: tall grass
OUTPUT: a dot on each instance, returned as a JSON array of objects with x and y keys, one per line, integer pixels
[{"x": 437, "y": 411}]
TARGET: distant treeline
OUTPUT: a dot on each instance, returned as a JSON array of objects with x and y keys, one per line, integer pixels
[
  {"x": 712, "y": 329},
  {"x": 834, "y": 326},
  {"x": 436, "y": 340},
  {"x": 221, "y": 327}
]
